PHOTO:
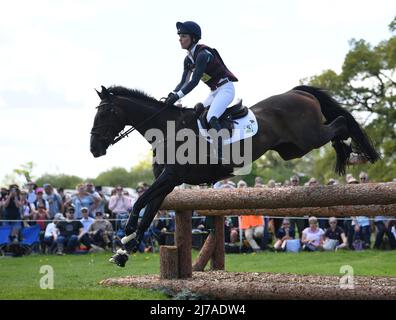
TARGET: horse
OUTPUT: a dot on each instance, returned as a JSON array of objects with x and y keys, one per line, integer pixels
[{"x": 292, "y": 123}]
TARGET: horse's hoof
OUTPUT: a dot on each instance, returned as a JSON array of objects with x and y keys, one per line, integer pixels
[{"x": 120, "y": 258}]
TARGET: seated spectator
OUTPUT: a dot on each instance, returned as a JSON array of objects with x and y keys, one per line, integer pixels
[
  {"x": 253, "y": 228},
  {"x": 284, "y": 233},
  {"x": 71, "y": 233},
  {"x": 334, "y": 237},
  {"x": 101, "y": 231},
  {"x": 312, "y": 237},
  {"x": 361, "y": 233},
  {"x": 86, "y": 220},
  {"x": 51, "y": 234}
]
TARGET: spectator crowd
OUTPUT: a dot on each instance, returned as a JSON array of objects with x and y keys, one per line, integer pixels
[{"x": 88, "y": 220}]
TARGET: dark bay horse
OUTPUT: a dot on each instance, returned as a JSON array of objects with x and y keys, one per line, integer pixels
[{"x": 292, "y": 123}]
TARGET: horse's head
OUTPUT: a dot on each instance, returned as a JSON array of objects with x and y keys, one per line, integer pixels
[{"x": 107, "y": 124}]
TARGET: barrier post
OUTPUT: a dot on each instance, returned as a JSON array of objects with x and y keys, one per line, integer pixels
[
  {"x": 218, "y": 256},
  {"x": 183, "y": 242}
]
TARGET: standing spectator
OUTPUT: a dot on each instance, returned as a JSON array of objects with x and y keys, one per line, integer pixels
[
  {"x": 83, "y": 199},
  {"x": 3, "y": 197},
  {"x": 51, "y": 234},
  {"x": 334, "y": 237},
  {"x": 25, "y": 209},
  {"x": 120, "y": 205},
  {"x": 64, "y": 196},
  {"x": 283, "y": 234},
  {"x": 31, "y": 191},
  {"x": 55, "y": 202},
  {"x": 103, "y": 203},
  {"x": 86, "y": 220},
  {"x": 40, "y": 209},
  {"x": 383, "y": 226},
  {"x": 101, "y": 231},
  {"x": 11, "y": 211},
  {"x": 348, "y": 227},
  {"x": 312, "y": 237},
  {"x": 90, "y": 188}
]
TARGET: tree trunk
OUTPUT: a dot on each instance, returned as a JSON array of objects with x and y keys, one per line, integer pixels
[
  {"x": 183, "y": 242},
  {"x": 291, "y": 197}
]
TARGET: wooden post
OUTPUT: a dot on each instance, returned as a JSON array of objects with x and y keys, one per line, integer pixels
[
  {"x": 205, "y": 254},
  {"x": 169, "y": 262},
  {"x": 183, "y": 242},
  {"x": 218, "y": 258}
]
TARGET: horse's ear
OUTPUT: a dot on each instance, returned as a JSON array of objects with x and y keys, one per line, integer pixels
[
  {"x": 99, "y": 94},
  {"x": 105, "y": 93}
]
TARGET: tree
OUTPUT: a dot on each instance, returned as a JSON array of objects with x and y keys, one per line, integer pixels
[{"x": 367, "y": 88}]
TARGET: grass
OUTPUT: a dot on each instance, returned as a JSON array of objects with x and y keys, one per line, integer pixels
[{"x": 77, "y": 276}]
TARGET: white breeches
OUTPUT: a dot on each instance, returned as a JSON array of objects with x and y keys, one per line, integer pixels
[{"x": 219, "y": 100}]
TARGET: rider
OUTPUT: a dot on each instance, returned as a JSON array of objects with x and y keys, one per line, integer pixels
[{"x": 204, "y": 63}]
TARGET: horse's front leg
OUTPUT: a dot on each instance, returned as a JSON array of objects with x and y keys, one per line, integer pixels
[{"x": 153, "y": 197}]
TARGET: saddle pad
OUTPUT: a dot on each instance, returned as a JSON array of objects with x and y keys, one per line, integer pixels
[{"x": 245, "y": 127}]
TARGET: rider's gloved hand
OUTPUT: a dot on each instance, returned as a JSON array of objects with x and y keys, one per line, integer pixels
[{"x": 172, "y": 98}]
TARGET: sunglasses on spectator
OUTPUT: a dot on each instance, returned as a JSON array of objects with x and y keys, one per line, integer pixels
[{"x": 332, "y": 222}]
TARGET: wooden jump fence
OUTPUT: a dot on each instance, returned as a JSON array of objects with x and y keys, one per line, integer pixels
[{"x": 371, "y": 199}]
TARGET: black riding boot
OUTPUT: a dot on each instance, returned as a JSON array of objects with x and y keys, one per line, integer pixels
[{"x": 215, "y": 124}]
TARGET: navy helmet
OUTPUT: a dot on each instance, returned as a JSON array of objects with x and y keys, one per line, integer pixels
[{"x": 189, "y": 27}]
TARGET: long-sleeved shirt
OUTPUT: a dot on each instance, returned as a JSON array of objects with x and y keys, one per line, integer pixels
[{"x": 119, "y": 204}]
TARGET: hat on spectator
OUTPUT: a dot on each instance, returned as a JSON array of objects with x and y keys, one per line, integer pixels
[
  {"x": 39, "y": 190},
  {"x": 84, "y": 209},
  {"x": 352, "y": 180},
  {"x": 59, "y": 216},
  {"x": 46, "y": 185}
]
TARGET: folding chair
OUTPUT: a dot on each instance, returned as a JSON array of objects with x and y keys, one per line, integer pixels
[
  {"x": 30, "y": 238},
  {"x": 5, "y": 232}
]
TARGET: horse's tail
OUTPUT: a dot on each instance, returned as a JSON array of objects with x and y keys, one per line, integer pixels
[{"x": 331, "y": 109}]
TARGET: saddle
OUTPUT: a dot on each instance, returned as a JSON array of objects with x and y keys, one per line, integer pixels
[{"x": 227, "y": 119}]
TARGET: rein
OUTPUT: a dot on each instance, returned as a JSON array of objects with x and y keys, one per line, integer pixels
[{"x": 122, "y": 135}]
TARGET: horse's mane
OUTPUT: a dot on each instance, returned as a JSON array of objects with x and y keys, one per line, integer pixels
[{"x": 133, "y": 93}]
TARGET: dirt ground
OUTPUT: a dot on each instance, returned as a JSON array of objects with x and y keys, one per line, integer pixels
[{"x": 255, "y": 285}]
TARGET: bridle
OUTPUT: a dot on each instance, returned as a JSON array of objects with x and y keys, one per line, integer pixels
[
  {"x": 109, "y": 133},
  {"x": 110, "y": 125}
]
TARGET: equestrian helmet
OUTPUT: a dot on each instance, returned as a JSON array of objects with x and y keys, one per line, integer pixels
[{"x": 189, "y": 27}]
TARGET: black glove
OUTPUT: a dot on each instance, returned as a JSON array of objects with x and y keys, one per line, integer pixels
[{"x": 172, "y": 98}]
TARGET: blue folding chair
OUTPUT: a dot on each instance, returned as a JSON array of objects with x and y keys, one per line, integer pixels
[
  {"x": 30, "y": 238},
  {"x": 5, "y": 232}
]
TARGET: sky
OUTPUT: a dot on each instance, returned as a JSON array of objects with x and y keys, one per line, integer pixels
[{"x": 54, "y": 53}]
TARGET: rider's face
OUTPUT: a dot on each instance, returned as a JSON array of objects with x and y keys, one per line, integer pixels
[{"x": 185, "y": 40}]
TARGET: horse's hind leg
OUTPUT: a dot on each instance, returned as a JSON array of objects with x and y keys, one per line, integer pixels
[{"x": 320, "y": 135}]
